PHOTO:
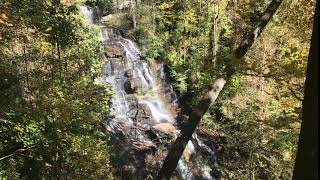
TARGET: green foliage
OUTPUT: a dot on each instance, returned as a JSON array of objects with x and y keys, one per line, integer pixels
[
  {"x": 234, "y": 84},
  {"x": 261, "y": 137},
  {"x": 208, "y": 122},
  {"x": 153, "y": 48},
  {"x": 51, "y": 116},
  {"x": 50, "y": 107}
]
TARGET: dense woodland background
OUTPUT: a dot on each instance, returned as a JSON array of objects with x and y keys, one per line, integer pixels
[{"x": 51, "y": 107}]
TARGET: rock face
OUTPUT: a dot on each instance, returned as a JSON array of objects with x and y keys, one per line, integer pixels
[
  {"x": 212, "y": 138},
  {"x": 132, "y": 83},
  {"x": 112, "y": 51},
  {"x": 140, "y": 113},
  {"x": 165, "y": 128},
  {"x": 162, "y": 133}
]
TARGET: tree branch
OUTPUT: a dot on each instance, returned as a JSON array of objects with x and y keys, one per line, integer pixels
[
  {"x": 16, "y": 151},
  {"x": 295, "y": 94},
  {"x": 5, "y": 121}
]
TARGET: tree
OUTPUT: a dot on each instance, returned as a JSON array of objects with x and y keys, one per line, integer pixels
[
  {"x": 50, "y": 108},
  {"x": 195, "y": 113},
  {"x": 306, "y": 166}
]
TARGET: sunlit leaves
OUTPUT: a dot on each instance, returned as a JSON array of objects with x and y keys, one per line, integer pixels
[{"x": 53, "y": 105}]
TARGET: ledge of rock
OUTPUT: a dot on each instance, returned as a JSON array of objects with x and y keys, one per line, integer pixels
[
  {"x": 144, "y": 146},
  {"x": 140, "y": 113},
  {"x": 165, "y": 128},
  {"x": 112, "y": 51},
  {"x": 132, "y": 83}
]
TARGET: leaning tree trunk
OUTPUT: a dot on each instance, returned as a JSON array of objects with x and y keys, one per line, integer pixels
[
  {"x": 196, "y": 113},
  {"x": 306, "y": 166}
]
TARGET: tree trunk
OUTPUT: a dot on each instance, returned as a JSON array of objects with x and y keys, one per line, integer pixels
[
  {"x": 306, "y": 166},
  {"x": 252, "y": 36},
  {"x": 196, "y": 113},
  {"x": 133, "y": 11},
  {"x": 215, "y": 35}
]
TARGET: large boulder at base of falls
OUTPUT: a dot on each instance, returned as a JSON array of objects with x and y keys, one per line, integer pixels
[
  {"x": 162, "y": 133},
  {"x": 165, "y": 128},
  {"x": 112, "y": 51},
  {"x": 132, "y": 83}
]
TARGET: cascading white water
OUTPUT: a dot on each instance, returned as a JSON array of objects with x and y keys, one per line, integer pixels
[
  {"x": 159, "y": 114},
  {"x": 184, "y": 170},
  {"x": 104, "y": 34},
  {"x": 88, "y": 13},
  {"x": 201, "y": 144},
  {"x": 134, "y": 62},
  {"x": 115, "y": 76}
]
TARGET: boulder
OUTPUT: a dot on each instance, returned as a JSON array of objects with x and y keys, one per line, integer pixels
[
  {"x": 140, "y": 113},
  {"x": 129, "y": 73},
  {"x": 112, "y": 51},
  {"x": 165, "y": 128},
  {"x": 131, "y": 86},
  {"x": 116, "y": 128},
  {"x": 162, "y": 133},
  {"x": 144, "y": 147},
  {"x": 132, "y": 83}
]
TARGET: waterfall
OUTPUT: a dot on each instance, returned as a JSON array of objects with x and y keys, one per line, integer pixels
[
  {"x": 88, "y": 13},
  {"x": 104, "y": 37},
  {"x": 129, "y": 112},
  {"x": 184, "y": 170},
  {"x": 201, "y": 144},
  {"x": 159, "y": 114}
]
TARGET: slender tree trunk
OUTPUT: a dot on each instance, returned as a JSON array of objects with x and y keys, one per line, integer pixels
[
  {"x": 27, "y": 85},
  {"x": 306, "y": 166},
  {"x": 196, "y": 113},
  {"x": 153, "y": 15},
  {"x": 60, "y": 65},
  {"x": 215, "y": 36},
  {"x": 133, "y": 11}
]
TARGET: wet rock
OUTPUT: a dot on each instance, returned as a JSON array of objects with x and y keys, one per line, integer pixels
[
  {"x": 144, "y": 147},
  {"x": 186, "y": 154},
  {"x": 106, "y": 68},
  {"x": 145, "y": 112},
  {"x": 212, "y": 138},
  {"x": 152, "y": 135},
  {"x": 129, "y": 73},
  {"x": 112, "y": 51},
  {"x": 146, "y": 127},
  {"x": 115, "y": 128},
  {"x": 165, "y": 128},
  {"x": 132, "y": 82},
  {"x": 116, "y": 64},
  {"x": 140, "y": 113},
  {"x": 161, "y": 133},
  {"x": 130, "y": 86}
]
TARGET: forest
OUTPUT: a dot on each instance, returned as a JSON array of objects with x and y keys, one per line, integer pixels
[{"x": 154, "y": 89}]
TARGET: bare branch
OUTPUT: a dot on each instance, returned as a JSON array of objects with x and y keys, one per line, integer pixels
[
  {"x": 295, "y": 94},
  {"x": 5, "y": 121},
  {"x": 15, "y": 152}
]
